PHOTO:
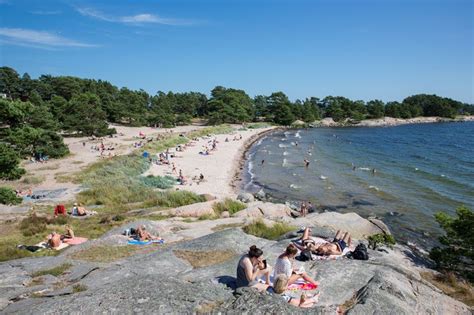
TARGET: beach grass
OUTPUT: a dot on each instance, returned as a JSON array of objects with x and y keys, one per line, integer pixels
[
  {"x": 450, "y": 284},
  {"x": 232, "y": 206},
  {"x": 260, "y": 229},
  {"x": 56, "y": 271}
]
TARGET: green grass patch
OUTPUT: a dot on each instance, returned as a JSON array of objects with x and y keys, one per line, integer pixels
[
  {"x": 32, "y": 180},
  {"x": 34, "y": 224},
  {"x": 105, "y": 253},
  {"x": 56, "y": 271},
  {"x": 200, "y": 259},
  {"x": 162, "y": 182},
  {"x": 78, "y": 288},
  {"x": 232, "y": 206},
  {"x": 258, "y": 125},
  {"x": 451, "y": 285},
  {"x": 381, "y": 239},
  {"x": 260, "y": 229}
]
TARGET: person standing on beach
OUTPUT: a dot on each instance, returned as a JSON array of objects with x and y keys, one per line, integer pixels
[{"x": 303, "y": 209}]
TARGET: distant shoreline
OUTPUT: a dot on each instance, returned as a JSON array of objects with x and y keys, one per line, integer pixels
[{"x": 388, "y": 121}]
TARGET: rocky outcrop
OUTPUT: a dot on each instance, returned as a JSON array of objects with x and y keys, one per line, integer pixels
[
  {"x": 359, "y": 227},
  {"x": 163, "y": 280},
  {"x": 245, "y": 197},
  {"x": 268, "y": 210},
  {"x": 195, "y": 210}
]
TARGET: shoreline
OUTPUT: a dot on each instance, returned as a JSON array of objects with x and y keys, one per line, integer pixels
[
  {"x": 388, "y": 121},
  {"x": 241, "y": 159}
]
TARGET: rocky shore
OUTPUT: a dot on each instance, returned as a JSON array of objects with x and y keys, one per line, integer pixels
[
  {"x": 194, "y": 272},
  {"x": 388, "y": 121}
]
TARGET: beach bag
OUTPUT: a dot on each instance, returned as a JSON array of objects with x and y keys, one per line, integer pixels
[
  {"x": 360, "y": 253},
  {"x": 305, "y": 255}
]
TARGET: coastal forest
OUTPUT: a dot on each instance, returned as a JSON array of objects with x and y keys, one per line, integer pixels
[{"x": 36, "y": 113}]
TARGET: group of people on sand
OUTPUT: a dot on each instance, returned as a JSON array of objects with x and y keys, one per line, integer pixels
[{"x": 253, "y": 270}]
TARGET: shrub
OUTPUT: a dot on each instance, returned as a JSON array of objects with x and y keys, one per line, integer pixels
[
  {"x": 228, "y": 204},
  {"x": 164, "y": 182},
  {"x": 260, "y": 229},
  {"x": 381, "y": 239},
  {"x": 457, "y": 252},
  {"x": 33, "y": 225},
  {"x": 8, "y": 196}
]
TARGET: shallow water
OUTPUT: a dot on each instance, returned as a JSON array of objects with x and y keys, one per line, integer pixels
[{"x": 419, "y": 170}]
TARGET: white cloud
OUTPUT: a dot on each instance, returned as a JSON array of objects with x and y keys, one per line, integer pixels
[
  {"x": 39, "y": 39},
  {"x": 143, "y": 18}
]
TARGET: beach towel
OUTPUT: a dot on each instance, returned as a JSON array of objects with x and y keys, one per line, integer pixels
[
  {"x": 302, "y": 286},
  {"x": 75, "y": 240},
  {"x": 138, "y": 242}
]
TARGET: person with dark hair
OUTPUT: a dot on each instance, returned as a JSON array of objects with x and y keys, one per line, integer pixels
[
  {"x": 284, "y": 265},
  {"x": 251, "y": 267}
]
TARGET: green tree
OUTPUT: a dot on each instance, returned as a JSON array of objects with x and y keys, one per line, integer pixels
[
  {"x": 85, "y": 116},
  {"x": 9, "y": 162},
  {"x": 375, "y": 109},
  {"x": 10, "y": 82},
  {"x": 279, "y": 108},
  {"x": 457, "y": 252},
  {"x": 230, "y": 106}
]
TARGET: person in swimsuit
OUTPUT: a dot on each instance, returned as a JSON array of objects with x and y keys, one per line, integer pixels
[
  {"x": 251, "y": 267},
  {"x": 336, "y": 247},
  {"x": 284, "y": 265},
  {"x": 280, "y": 286}
]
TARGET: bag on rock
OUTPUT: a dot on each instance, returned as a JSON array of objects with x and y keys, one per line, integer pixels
[
  {"x": 360, "y": 253},
  {"x": 305, "y": 255}
]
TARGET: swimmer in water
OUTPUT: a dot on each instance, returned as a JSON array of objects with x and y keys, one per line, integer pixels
[
  {"x": 263, "y": 161},
  {"x": 306, "y": 163},
  {"x": 296, "y": 143},
  {"x": 374, "y": 171}
]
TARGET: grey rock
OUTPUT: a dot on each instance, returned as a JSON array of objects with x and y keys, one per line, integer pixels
[{"x": 245, "y": 197}]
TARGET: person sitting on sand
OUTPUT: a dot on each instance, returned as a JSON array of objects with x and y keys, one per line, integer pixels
[
  {"x": 251, "y": 267},
  {"x": 284, "y": 265},
  {"x": 280, "y": 286},
  {"x": 144, "y": 235}
]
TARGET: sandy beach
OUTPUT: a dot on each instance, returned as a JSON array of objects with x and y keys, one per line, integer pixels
[{"x": 218, "y": 168}]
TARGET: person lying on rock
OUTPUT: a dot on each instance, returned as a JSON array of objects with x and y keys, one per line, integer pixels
[
  {"x": 280, "y": 286},
  {"x": 285, "y": 265},
  {"x": 251, "y": 267},
  {"x": 144, "y": 235},
  {"x": 336, "y": 247}
]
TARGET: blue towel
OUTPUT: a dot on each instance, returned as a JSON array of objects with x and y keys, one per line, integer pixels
[{"x": 137, "y": 242}]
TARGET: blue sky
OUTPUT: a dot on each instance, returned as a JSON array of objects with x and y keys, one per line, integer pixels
[{"x": 384, "y": 49}]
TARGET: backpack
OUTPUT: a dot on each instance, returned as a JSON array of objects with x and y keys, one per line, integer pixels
[
  {"x": 360, "y": 253},
  {"x": 305, "y": 255}
]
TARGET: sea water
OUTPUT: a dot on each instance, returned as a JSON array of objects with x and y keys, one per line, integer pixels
[{"x": 403, "y": 175}]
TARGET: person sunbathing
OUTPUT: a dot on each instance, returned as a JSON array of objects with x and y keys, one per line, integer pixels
[
  {"x": 69, "y": 232},
  {"x": 336, "y": 247},
  {"x": 144, "y": 235},
  {"x": 54, "y": 240},
  {"x": 280, "y": 286},
  {"x": 251, "y": 267},
  {"x": 284, "y": 265}
]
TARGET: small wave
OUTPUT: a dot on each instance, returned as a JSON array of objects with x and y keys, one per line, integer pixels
[
  {"x": 322, "y": 177},
  {"x": 293, "y": 186},
  {"x": 293, "y": 143},
  {"x": 417, "y": 169},
  {"x": 374, "y": 188},
  {"x": 442, "y": 175},
  {"x": 287, "y": 133},
  {"x": 259, "y": 142},
  {"x": 283, "y": 139},
  {"x": 285, "y": 153},
  {"x": 285, "y": 163},
  {"x": 297, "y": 135},
  {"x": 364, "y": 168},
  {"x": 281, "y": 145}
]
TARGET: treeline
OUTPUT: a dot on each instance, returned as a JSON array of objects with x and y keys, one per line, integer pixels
[{"x": 35, "y": 112}]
